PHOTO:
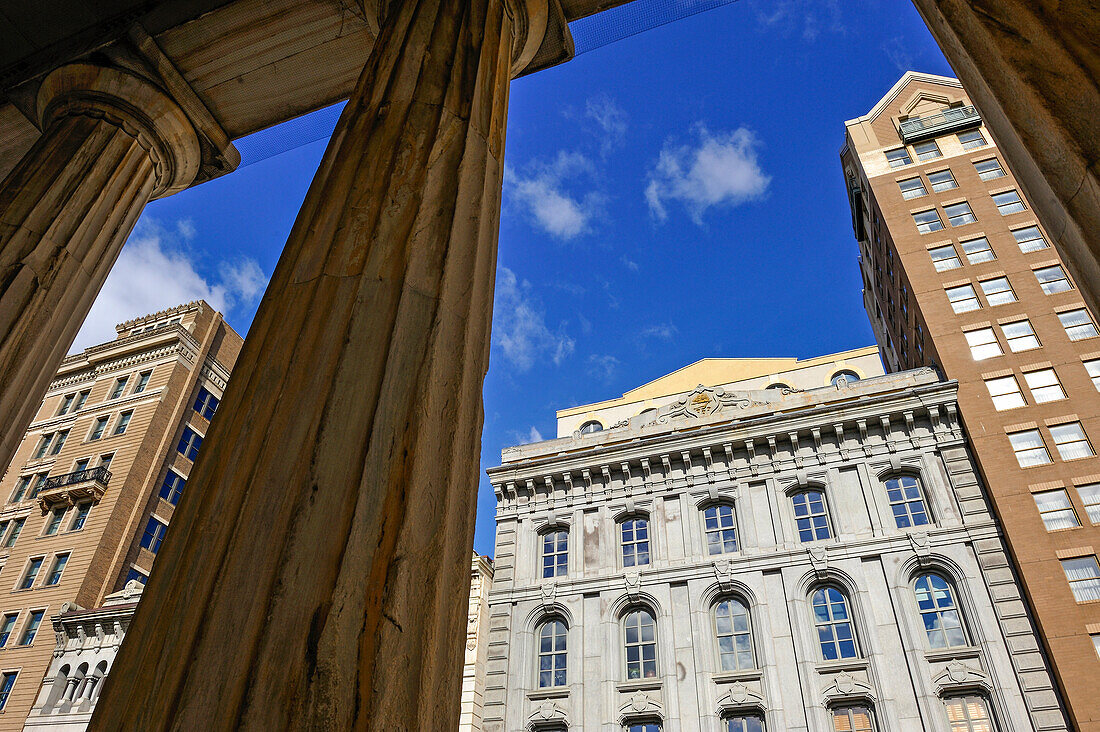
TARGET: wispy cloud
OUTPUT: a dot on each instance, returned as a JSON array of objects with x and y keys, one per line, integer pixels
[
  {"x": 519, "y": 325},
  {"x": 156, "y": 270},
  {"x": 660, "y": 331},
  {"x": 521, "y": 438},
  {"x": 610, "y": 118},
  {"x": 629, "y": 263},
  {"x": 545, "y": 192},
  {"x": 719, "y": 169},
  {"x": 602, "y": 367},
  {"x": 807, "y": 18},
  {"x": 899, "y": 53}
]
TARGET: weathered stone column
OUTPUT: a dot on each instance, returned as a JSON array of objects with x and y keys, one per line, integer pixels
[
  {"x": 315, "y": 574},
  {"x": 111, "y": 141},
  {"x": 1032, "y": 68}
]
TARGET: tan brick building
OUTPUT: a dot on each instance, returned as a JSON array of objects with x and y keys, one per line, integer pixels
[
  {"x": 95, "y": 480},
  {"x": 959, "y": 273}
]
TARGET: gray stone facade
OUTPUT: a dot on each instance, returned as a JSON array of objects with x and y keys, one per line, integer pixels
[{"x": 753, "y": 452}]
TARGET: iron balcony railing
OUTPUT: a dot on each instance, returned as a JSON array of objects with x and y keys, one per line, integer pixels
[
  {"x": 88, "y": 475},
  {"x": 953, "y": 118}
]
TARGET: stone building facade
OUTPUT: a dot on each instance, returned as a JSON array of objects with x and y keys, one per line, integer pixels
[
  {"x": 816, "y": 556},
  {"x": 961, "y": 273},
  {"x": 95, "y": 481},
  {"x": 477, "y": 648}
]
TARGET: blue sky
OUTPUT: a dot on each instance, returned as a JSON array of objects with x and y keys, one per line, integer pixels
[{"x": 669, "y": 197}]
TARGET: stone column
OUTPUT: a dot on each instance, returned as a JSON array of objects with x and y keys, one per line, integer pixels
[
  {"x": 316, "y": 574},
  {"x": 111, "y": 141},
  {"x": 1032, "y": 68}
]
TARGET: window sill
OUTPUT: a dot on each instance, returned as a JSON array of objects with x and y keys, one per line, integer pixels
[
  {"x": 850, "y": 664},
  {"x": 946, "y": 654},
  {"x": 557, "y": 692},
  {"x": 729, "y": 677},
  {"x": 640, "y": 684}
]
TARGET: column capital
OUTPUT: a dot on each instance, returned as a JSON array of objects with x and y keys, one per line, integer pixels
[
  {"x": 541, "y": 36},
  {"x": 133, "y": 104}
]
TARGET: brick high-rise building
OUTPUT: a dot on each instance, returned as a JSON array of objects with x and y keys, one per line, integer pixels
[
  {"x": 93, "y": 485},
  {"x": 959, "y": 273}
]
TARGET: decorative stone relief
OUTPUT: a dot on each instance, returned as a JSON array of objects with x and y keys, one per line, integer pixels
[
  {"x": 846, "y": 686},
  {"x": 960, "y": 674},
  {"x": 819, "y": 560},
  {"x": 921, "y": 547},
  {"x": 547, "y": 715},
  {"x": 706, "y": 402},
  {"x": 633, "y": 582},
  {"x": 740, "y": 696},
  {"x": 640, "y": 705}
]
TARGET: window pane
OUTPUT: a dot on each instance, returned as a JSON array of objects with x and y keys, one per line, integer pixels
[
  {"x": 1030, "y": 239},
  {"x": 989, "y": 169},
  {"x": 927, "y": 150},
  {"x": 945, "y": 258},
  {"x": 1053, "y": 279},
  {"x": 1078, "y": 324},
  {"x": 1093, "y": 369},
  {"x": 912, "y": 188},
  {"x": 1029, "y": 448},
  {"x": 960, "y": 214},
  {"x": 963, "y": 298},
  {"x": 1044, "y": 385},
  {"x": 978, "y": 250},
  {"x": 898, "y": 158},
  {"x": 1005, "y": 392},
  {"x": 939, "y": 612},
  {"x": 971, "y": 139},
  {"x": 1056, "y": 510},
  {"x": 998, "y": 291},
  {"x": 1008, "y": 202},
  {"x": 1090, "y": 496},
  {"x": 927, "y": 221},
  {"x": 1020, "y": 336},
  {"x": 1083, "y": 575},
  {"x": 942, "y": 180},
  {"x": 983, "y": 344},
  {"x": 1071, "y": 441}
]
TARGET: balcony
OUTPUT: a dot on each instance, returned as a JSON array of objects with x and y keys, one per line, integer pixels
[
  {"x": 70, "y": 488},
  {"x": 949, "y": 120}
]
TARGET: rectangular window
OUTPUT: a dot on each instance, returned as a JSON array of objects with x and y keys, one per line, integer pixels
[
  {"x": 39, "y": 484},
  {"x": 56, "y": 516},
  {"x": 1008, "y": 202},
  {"x": 32, "y": 627},
  {"x": 66, "y": 404},
  {"x": 944, "y": 258},
  {"x": 81, "y": 398},
  {"x": 969, "y": 714},
  {"x": 998, "y": 291},
  {"x": 1078, "y": 324},
  {"x": 206, "y": 403},
  {"x": 555, "y": 553},
  {"x": 82, "y": 510},
  {"x": 1071, "y": 441},
  {"x": 154, "y": 535},
  {"x": 1030, "y": 239},
  {"x": 105, "y": 460},
  {"x": 1044, "y": 386},
  {"x": 927, "y": 150},
  {"x": 983, "y": 344},
  {"x": 25, "y": 480},
  {"x": 189, "y": 444},
  {"x": 635, "y": 542},
  {"x": 7, "y": 625},
  {"x": 1090, "y": 496},
  {"x": 898, "y": 158},
  {"x": 123, "y": 422},
  {"x": 1052, "y": 279},
  {"x": 59, "y": 442},
  {"x": 971, "y": 139},
  {"x": 99, "y": 428},
  {"x": 1020, "y": 336},
  {"x": 1093, "y": 369},
  {"x": 942, "y": 180},
  {"x": 81, "y": 464},
  {"x": 1056, "y": 510},
  {"x": 1083, "y": 575},
  {"x": 136, "y": 574},
  {"x": 7, "y": 682},
  {"x": 1096, "y": 643},
  {"x": 852, "y": 719},
  {"x": 143, "y": 381},
  {"x": 16, "y": 530},
  {"x": 927, "y": 221},
  {"x": 59, "y": 562},
  {"x": 172, "y": 488},
  {"x": 989, "y": 169},
  {"x": 1029, "y": 448},
  {"x": 959, "y": 214},
  {"x": 912, "y": 188},
  {"x": 43, "y": 446},
  {"x": 1005, "y": 392},
  {"x": 117, "y": 389},
  {"x": 963, "y": 298},
  {"x": 31, "y": 573},
  {"x": 978, "y": 250}
]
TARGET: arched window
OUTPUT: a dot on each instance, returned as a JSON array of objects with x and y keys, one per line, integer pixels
[
  {"x": 635, "y": 541},
  {"x": 555, "y": 553},
  {"x": 906, "y": 501},
  {"x": 833, "y": 620},
  {"x": 733, "y": 627},
  {"x": 777, "y": 385},
  {"x": 969, "y": 713},
  {"x": 811, "y": 515},
  {"x": 940, "y": 612},
  {"x": 846, "y": 377},
  {"x": 641, "y": 644},
  {"x": 721, "y": 529},
  {"x": 853, "y": 719},
  {"x": 552, "y": 654},
  {"x": 744, "y": 723},
  {"x": 592, "y": 425}
]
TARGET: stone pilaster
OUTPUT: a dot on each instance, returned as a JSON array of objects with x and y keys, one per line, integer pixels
[
  {"x": 110, "y": 142},
  {"x": 316, "y": 573}
]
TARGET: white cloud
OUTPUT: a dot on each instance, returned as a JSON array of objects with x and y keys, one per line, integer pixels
[
  {"x": 808, "y": 18},
  {"x": 543, "y": 192},
  {"x": 661, "y": 331},
  {"x": 610, "y": 118},
  {"x": 602, "y": 367},
  {"x": 720, "y": 170},
  {"x": 629, "y": 263},
  {"x": 519, "y": 326},
  {"x": 521, "y": 438},
  {"x": 154, "y": 272}
]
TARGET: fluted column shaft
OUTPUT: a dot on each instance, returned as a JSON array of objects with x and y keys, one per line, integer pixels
[
  {"x": 65, "y": 212},
  {"x": 316, "y": 573}
]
